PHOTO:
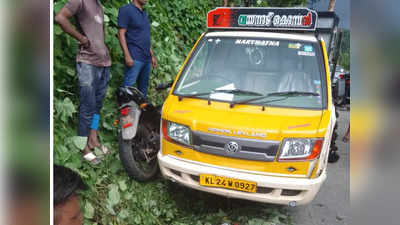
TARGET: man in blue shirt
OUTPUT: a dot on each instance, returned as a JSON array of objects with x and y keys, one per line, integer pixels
[{"x": 134, "y": 38}]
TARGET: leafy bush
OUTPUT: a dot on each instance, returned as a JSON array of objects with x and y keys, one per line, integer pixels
[{"x": 344, "y": 59}]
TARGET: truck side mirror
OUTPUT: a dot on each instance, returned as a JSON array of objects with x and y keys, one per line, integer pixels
[{"x": 163, "y": 86}]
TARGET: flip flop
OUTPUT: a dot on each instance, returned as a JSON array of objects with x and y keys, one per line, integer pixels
[{"x": 90, "y": 157}]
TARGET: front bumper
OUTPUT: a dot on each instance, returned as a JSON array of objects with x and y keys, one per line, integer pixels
[{"x": 270, "y": 189}]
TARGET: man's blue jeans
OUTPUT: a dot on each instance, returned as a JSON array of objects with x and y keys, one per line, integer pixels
[
  {"x": 140, "y": 72},
  {"x": 93, "y": 83}
]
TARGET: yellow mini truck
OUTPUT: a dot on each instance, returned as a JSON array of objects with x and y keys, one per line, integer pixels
[{"x": 250, "y": 114}]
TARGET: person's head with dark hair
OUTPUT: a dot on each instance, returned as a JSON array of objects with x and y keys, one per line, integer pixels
[{"x": 66, "y": 203}]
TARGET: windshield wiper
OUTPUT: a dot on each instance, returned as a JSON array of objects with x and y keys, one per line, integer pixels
[
  {"x": 293, "y": 93},
  {"x": 238, "y": 91},
  {"x": 229, "y": 91},
  {"x": 285, "y": 94},
  {"x": 180, "y": 97}
]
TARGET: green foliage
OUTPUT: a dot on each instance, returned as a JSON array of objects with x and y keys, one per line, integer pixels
[
  {"x": 89, "y": 211},
  {"x": 64, "y": 109},
  {"x": 344, "y": 59},
  {"x": 112, "y": 197}
]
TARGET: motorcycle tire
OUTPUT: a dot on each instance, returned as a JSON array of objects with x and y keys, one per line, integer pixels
[{"x": 131, "y": 159}]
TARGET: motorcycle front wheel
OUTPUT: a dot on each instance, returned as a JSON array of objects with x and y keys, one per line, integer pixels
[{"x": 139, "y": 155}]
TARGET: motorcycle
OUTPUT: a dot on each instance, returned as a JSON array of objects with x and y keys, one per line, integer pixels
[{"x": 139, "y": 134}]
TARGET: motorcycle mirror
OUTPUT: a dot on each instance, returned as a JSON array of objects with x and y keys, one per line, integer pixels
[{"x": 164, "y": 86}]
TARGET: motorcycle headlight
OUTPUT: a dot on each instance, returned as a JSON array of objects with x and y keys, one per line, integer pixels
[
  {"x": 179, "y": 133},
  {"x": 300, "y": 149}
]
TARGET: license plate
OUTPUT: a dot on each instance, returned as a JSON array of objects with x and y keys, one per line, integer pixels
[{"x": 226, "y": 182}]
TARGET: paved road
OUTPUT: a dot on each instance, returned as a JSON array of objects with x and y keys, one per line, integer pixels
[{"x": 331, "y": 205}]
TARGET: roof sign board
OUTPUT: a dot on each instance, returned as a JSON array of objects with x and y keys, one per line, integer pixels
[{"x": 262, "y": 18}]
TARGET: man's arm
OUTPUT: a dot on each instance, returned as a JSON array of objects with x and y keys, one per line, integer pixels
[
  {"x": 124, "y": 46},
  {"x": 153, "y": 59},
  {"x": 62, "y": 18}
]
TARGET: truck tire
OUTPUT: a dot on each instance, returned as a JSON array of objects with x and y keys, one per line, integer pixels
[{"x": 333, "y": 156}]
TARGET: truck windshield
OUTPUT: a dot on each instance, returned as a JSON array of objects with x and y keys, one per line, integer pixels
[{"x": 255, "y": 65}]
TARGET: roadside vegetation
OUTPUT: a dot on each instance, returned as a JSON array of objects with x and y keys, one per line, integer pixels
[{"x": 344, "y": 58}]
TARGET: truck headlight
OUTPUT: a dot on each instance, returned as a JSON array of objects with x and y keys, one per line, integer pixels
[
  {"x": 300, "y": 149},
  {"x": 177, "y": 132}
]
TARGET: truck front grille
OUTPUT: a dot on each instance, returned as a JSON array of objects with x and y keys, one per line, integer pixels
[{"x": 251, "y": 149}]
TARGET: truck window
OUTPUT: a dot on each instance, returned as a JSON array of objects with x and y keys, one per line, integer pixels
[{"x": 259, "y": 65}]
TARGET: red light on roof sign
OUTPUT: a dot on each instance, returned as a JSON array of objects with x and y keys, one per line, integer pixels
[
  {"x": 221, "y": 17},
  {"x": 263, "y": 18}
]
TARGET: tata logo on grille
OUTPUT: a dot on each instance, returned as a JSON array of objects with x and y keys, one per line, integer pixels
[{"x": 232, "y": 147}]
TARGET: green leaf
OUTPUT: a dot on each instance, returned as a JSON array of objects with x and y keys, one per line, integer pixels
[
  {"x": 64, "y": 91},
  {"x": 62, "y": 149},
  {"x": 109, "y": 207},
  {"x": 155, "y": 24},
  {"x": 58, "y": 6},
  {"x": 123, "y": 214},
  {"x": 57, "y": 30},
  {"x": 98, "y": 151},
  {"x": 107, "y": 126},
  {"x": 170, "y": 214},
  {"x": 106, "y": 19},
  {"x": 113, "y": 194},
  {"x": 128, "y": 196},
  {"x": 71, "y": 72},
  {"x": 64, "y": 109},
  {"x": 89, "y": 210},
  {"x": 115, "y": 166},
  {"x": 80, "y": 142},
  {"x": 137, "y": 219},
  {"x": 122, "y": 185}
]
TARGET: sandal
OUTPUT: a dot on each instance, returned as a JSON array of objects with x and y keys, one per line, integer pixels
[{"x": 90, "y": 157}]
